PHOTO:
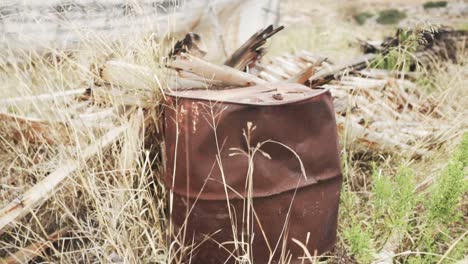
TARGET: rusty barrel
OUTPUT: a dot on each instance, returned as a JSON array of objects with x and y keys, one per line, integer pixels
[{"x": 253, "y": 172}]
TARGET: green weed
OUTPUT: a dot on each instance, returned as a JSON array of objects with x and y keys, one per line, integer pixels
[
  {"x": 447, "y": 193},
  {"x": 442, "y": 210},
  {"x": 400, "y": 57},
  {"x": 360, "y": 244},
  {"x": 362, "y": 17},
  {"x": 390, "y": 16},
  {"x": 434, "y": 4}
]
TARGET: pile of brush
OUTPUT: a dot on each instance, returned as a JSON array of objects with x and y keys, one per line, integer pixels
[{"x": 376, "y": 110}]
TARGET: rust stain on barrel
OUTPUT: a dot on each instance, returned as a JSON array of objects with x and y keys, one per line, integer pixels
[{"x": 287, "y": 205}]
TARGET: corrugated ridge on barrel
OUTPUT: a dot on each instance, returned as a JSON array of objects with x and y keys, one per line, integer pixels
[{"x": 286, "y": 204}]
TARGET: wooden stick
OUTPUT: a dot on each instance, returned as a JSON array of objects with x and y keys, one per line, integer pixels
[
  {"x": 43, "y": 97},
  {"x": 143, "y": 78},
  {"x": 252, "y": 50},
  {"x": 303, "y": 76},
  {"x": 372, "y": 139},
  {"x": 325, "y": 75},
  {"x": 40, "y": 192},
  {"x": 227, "y": 75},
  {"x": 129, "y": 75}
]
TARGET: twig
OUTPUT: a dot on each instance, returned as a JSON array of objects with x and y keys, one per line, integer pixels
[
  {"x": 326, "y": 75},
  {"x": 128, "y": 75},
  {"x": 303, "y": 76},
  {"x": 252, "y": 49},
  {"x": 43, "y": 97},
  {"x": 143, "y": 78},
  {"x": 40, "y": 192}
]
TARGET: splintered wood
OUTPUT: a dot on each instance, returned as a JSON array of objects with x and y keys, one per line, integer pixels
[
  {"x": 375, "y": 109},
  {"x": 31, "y": 119},
  {"x": 49, "y": 185}
]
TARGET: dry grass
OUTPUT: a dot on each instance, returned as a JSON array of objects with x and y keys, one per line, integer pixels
[{"x": 115, "y": 209}]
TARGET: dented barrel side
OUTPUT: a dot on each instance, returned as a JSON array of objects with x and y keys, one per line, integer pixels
[{"x": 276, "y": 167}]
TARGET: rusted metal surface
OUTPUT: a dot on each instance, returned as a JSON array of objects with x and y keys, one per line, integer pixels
[{"x": 287, "y": 191}]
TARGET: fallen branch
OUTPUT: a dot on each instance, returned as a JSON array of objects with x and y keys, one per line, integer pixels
[
  {"x": 326, "y": 75},
  {"x": 43, "y": 97},
  {"x": 137, "y": 77},
  {"x": 227, "y": 75},
  {"x": 128, "y": 75},
  {"x": 40, "y": 192},
  {"x": 371, "y": 139}
]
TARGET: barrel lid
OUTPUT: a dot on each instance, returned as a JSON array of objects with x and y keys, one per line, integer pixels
[{"x": 264, "y": 94}]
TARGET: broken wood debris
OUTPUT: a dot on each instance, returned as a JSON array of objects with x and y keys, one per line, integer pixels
[
  {"x": 252, "y": 50},
  {"x": 374, "y": 108},
  {"x": 49, "y": 127},
  {"x": 443, "y": 43},
  {"x": 227, "y": 75},
  {"x": 40, "y": 192},
  {"x": 371, "y": 98}
]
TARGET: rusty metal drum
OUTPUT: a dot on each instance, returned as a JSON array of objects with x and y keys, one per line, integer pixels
[{"x": 253, "y": 173}]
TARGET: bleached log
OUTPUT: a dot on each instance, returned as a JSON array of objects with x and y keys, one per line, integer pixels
[
  {"x": 276, "y": 71},
  {"x": 361, "y": 82},
  {"x": 268, "y": 77},
  {"x": 371, "y": 139},
  {"x": 138, "y": 77},
  {"x": 43, "y": 97},
  {"x": 40, "y": 192},
  {"x": 227, "y": 75},
  {"x": 129, "y": 75},
  {"x": 309, "y": 57},
  {"x": 325, "y": 75},
  {"x": 287, "y": 66},
  {"x": 383, "y": 74}
]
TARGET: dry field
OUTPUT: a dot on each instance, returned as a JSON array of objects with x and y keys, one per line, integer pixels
[{"x": 113, "y": 207}]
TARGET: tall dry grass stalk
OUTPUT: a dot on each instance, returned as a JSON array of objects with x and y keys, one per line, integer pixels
[{"x": 114, "y": 209}]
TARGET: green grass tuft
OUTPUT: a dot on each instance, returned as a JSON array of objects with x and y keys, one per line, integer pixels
[
  {"x": 449, "y": 188},
  {"x": 362, "y": 17},
  {"x": 434, "y": 4},
  {"x": 443, "y": 211},
  {"x": 390, "y": 16},
  {"x": 360, "y": 244},
  {"x": 399, "y": 58}
]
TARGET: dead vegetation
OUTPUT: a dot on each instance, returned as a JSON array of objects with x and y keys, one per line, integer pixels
[{"x": 81, "y": 180}]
